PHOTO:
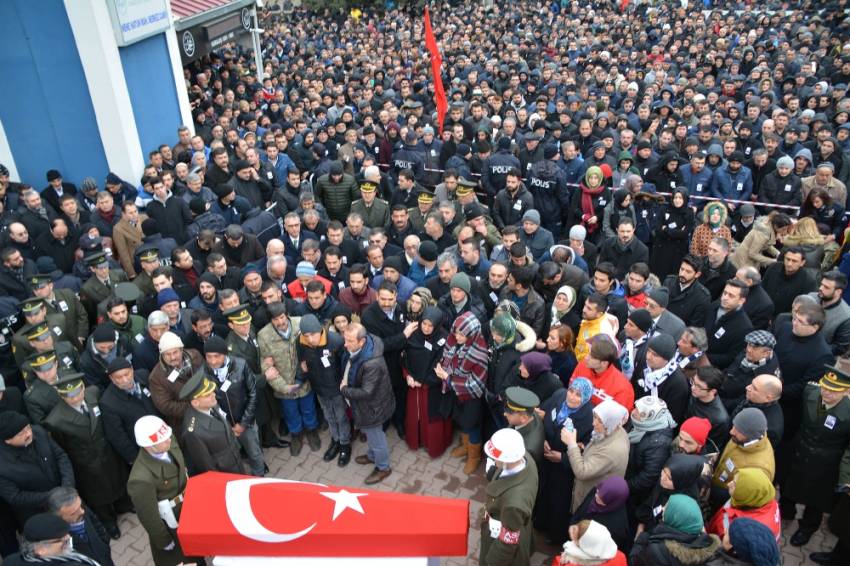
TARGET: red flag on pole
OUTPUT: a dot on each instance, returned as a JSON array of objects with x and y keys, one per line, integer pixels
[{"x": 436, "y": 64}]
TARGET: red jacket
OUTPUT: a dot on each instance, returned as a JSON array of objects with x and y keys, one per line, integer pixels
[
  {"x": 767, "y": 515},
  {"x": 297, "y": 291},
  {"x": 618, "y": 560},
  {"x": 611, "y": 383}
]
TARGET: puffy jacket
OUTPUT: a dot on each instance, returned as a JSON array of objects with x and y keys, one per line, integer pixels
[
  {"x": 431, "y": 160},
  {"x": 729, "y": 185},
  {"x": 371, "y": 399},
  {"x": 646, "y": 460},
  {"x": 262, "y": 224},
  {"x": 698, "y": 185},
  {"x": 767, "y": 515},
  {"x": 207, "y": 221},
  {"x": 781, "y": 190},
  {"x": 337, "y": 197},
  {"x": 508, "y": 209},
  {"x": 665, "y": 546}
]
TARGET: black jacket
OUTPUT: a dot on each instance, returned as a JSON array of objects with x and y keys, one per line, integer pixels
[
  {"x": 782, "y": 289},
  {"x": 692, "y": 304},
  {"x": 716, "y": 413},
  {"x": 372, "y": 400},
  {"x": 324, "y": 376},
  {"x": 172, "y": 218},
  {"x": 665, "y": 546},
  {"x": 120, "y": 412},
  {"x": 502, "y": 372},
  {"x": 11, "y": 285},
  {"x": 63, "y": 253},
  {"x": 239, "y": 400},
  {"x": 726, "y": 335},
  {"x": 734, "y": 387},
  {"x": 623, "y": 257},
  {"x": 759, "y": 307},
  {"x": 781, "y": 190},
  {"x": 646, "y": 460},
  {"x": 28, "y": 474},
  {"x": 715, "y": 279},
  {"x": 94, "y": 366},
  {"x": 391, "y": 336}
]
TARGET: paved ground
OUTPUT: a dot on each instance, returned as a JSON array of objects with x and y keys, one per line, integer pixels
[{"x": 412, "y": 473}]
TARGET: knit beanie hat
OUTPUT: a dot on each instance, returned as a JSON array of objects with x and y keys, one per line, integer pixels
[
  {"x": 11, "y": 423},
  {"x": 310, "y": 324},
  {"x": 753, "y": 542},
  {"x": 664, "y": 345},
  {"x": 641, "y": 318},
  {"x": 785, "y": 161},
  {"x": 215, "y": 345},
  {"x": 660, "y": 295},
  {"x": 460, "y": 281},
  {"x": 305, "y": 268},
  {"x": 698, "y": 429},
  {"x": 750, "y": 422},
  {"x": 531, "y": 216}
]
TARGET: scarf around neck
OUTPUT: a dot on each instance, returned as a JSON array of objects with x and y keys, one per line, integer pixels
[{"x": 652, "y": 381}]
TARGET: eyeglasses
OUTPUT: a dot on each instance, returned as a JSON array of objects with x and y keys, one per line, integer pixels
[{"x": 697, "y": 387}]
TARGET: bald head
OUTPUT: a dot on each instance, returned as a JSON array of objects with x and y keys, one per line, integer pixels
[
  {"x": 765, "y": 388},
  {"x": 274, "y": 247}
]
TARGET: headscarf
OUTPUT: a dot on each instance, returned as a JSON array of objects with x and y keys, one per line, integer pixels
[
  {"x": 683, "y": 514},
  {"x": 427, "y": 299},
  {"x": 753, "y": 489},
  {"x": 536, "y": 363},
  {"x": 434, "y": 315},
  {"x": 685, "y": 472},
  {"x": 596, "y": 546},
  {"x": 587, "y": 194},
  {"x": 571, "y": 301},
  {"x": 620, "y": 196},
  {"x": 504, "y": 325},
  {"x": 754, "y": 542},
  {"x": 613, "y": 491},
  {"x": 709, "y": 209},
  {"x": 654, "y": 415},
  {"x": 584, "y": 388},
  {"x": 612, "y": 415},
  {"x": 466, "y": 363}
]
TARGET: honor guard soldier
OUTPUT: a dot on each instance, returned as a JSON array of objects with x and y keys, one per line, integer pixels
[
  {"x": 101, "y": 284},
  {"x": 506, "y": 531},
  {"x": 64, "y": 302},
  {"x": 76, "y": 425},
  {"x": 34, "y": 312},
  {"x": 156, "y": 485},
  {"x": 207, "y": 436},
  {"x": 520, "y": 405}
]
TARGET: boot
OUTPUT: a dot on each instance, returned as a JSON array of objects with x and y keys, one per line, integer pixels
[
  {"x": 344, "y": 455},
  {"x": 460, "y": 451},
  {"x": 296, "y": 444},
  {"x": 473, "y": 458},
  {"x": 313, "y": 440},
  {"x": 332, "y": 451}
]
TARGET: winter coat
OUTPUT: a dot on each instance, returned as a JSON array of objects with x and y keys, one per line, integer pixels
[
  {"x": 691, "y": 305},
  {"x": 725, "y": 335},
  {"x": 239, "y": 400},
  {"x": 623, "y": 256},
  {"x": 670, "y": 240},
  {"x": 172, "y": 217},
  {"x": 736, "y": 456},
  {"x": 781, "y": 190},
  {"x": 801, "y": 359},
  {"x": 537, "y": 243},
  {"x": 698, "y": 185},
  {"x": 371, "y": 399},
  {"x": 547, "y": 183},
  {"x": 120, "y": 412},
  {"x": 759, "y": 247},
  {"x": 600, "y": 459},
  {"x": 767, "y": 515},
  {"x": 337, "y": 197},
  {"x": 646, "y": 460},
  {"x": 759, "y": 307},
  {"x": 732, "y": 186},
  {"x": 284, "y": 359},
  {"x": 716, "y": 414},
  {"x": 823, "y": 443},
  {"x": 324, "y": 370},
  {"x": 665, "y": 546},
  {"x": 715, "y": 280},
  {"x": 166, "y": 393},
  {"x": 262, "y": 224},
  {"x": 502, "y": 372},
  {"x": 733, "y": 390},
  {"x": 392, "y": 337},
  {"x": 508, "y": 209},
  {"x": 704, "y": 233},
  {"x": 783, "y": 289}
]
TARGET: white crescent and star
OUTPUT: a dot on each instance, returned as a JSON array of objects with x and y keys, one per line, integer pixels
[{"x": 241, "y": 514}]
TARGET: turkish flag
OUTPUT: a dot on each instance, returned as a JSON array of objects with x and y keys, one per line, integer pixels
[
  {"x": 234, "y": 515},
  {"x": 436, "y": 64}
]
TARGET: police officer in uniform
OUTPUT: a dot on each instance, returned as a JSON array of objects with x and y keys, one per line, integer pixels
[
  {"x": 76, "y": 425},
  {"x": 34, "y": 312},
  {"x": 206, "y": 435},
  {"x": 506, "y": 531},
  {"x": 158, "y": 475},
  {"x": 100, "y": 285},
  {"x": 64, "y": 302},
  {"x": 547, "y": 184},
  {"x": 520, "y": 405}
]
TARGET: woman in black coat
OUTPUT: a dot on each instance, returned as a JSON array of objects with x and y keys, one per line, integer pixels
[
  {"x": 672, "y": 235},
  {"x": 502, "y": 369},
  {"x": 535, "y": 372},
  {"x": 427, "y": 420},
  {"x": 682, "y": 473},
  {"x": 606, "y": 504},
  {"x": 554, "y": 497}
]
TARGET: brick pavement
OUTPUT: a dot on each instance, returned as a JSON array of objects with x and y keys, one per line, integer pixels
[{"x": 413, "y": 472}]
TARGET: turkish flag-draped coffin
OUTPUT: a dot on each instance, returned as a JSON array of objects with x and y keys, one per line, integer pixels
[{"x": 234, "y": 515}]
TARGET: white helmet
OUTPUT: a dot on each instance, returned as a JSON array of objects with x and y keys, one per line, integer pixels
[
  {"x": 169, "y": 341},
  {"x": 506, "y": 445},
  {"x": 150, "y": 430}
]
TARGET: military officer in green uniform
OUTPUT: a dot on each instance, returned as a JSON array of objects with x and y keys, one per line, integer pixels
[
  {"x": 156, "y": 485},
  {"x": 64, "y": 302},
  {"x": 424, "y": 205},
  {"x": 34, "y": 312},
  {"x": 100, "y": 285},
  {"x": 40, "y": 396},
  {"x": 76, "y": 425},
  {"x": 40, "y": 339},
  {"x": 242, "y": 340},
  {"x": 519, "y": 412},
  {"x": 207, "y": 437},
  {"x": 506, "y": 532},
  {"x": 149, "y": 260}
]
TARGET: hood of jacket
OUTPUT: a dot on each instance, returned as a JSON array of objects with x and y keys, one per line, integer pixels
[{"x": 724, "y": 212}]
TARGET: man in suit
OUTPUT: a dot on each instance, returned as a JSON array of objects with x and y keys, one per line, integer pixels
[
  {"x": 87, "y": 532},
  {"x": 76, "y": 425},
  {"x": 294, "y": 237},
  {"x": 125, "y": 400},
  {"x": 663, "y": 321},
  {"x": 727, "y": 325},
  {"x": 55, "y": 189}
]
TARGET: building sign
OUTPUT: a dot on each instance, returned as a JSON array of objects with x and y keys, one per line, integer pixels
[
  {"x": 134, "y": 20},
  {"x": 199, "y": 40}
]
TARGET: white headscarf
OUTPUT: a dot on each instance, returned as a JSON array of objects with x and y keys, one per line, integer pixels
[
  {"x": 594, "y": 547},
  {"x": 612, "y": 415}
]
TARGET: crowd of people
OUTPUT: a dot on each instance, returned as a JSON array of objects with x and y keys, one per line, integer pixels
[{"x": 616, "y": 269}]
